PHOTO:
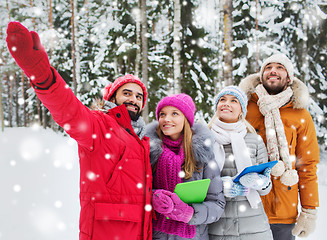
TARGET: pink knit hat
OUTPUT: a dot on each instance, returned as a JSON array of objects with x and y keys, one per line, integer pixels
[
  {"x": 182, "y": 102},
  {"x": 129, "y": 78}
]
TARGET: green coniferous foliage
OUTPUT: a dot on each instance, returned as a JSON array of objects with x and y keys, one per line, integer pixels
[
  {"x": 93, "y": 36},
  {"x": 160, "y": 52},
  {"x": 244, "y": 40},
  {"x": 196, "y": 57}
]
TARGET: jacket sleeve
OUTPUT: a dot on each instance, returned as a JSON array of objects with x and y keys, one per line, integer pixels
[
  {"x": 262, "y": 157},
  {"x": 307, "y": 155},
  {"x": 76, "y": 119},
  {"x": 213, "y": 206}
]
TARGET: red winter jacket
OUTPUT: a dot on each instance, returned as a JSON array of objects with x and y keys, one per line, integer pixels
[{"x": 115, "y": 170}]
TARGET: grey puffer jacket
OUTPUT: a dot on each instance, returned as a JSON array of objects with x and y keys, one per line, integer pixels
[
  {"x": 239, "y": 221},
  {"x": 213, "y": 206}
]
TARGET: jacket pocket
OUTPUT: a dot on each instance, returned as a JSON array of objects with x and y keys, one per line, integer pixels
[
  {"x": 117, "y": 221},
  {"x": 121, "y": 212}
]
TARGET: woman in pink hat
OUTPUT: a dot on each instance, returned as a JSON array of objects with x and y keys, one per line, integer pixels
[{"x": 181, "y": 151}]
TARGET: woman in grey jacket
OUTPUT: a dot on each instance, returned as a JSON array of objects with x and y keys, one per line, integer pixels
[
  {"x": 182, "y": 152},
  {"x": 237, "y": 146}
]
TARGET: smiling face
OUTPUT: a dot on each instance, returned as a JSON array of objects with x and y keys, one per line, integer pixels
[
  {"x": 228, "y": 109},
  {"x": 171, "y": 122},
  {"x": 131, "y": 95},
  {"x": 275, "y": 78}
]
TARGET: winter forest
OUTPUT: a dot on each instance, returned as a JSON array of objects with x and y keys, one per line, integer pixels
[{"x": 190, "y": 46}]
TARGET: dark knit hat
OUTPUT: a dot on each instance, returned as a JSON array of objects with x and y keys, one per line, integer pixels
[
  {"x": 129, "y": 78},
  {"x": 182, "y": 102}
]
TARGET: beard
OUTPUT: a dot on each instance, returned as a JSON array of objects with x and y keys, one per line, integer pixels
[
  {"x": 275, "y": 89},
  {"x": 134, "y": 115}
]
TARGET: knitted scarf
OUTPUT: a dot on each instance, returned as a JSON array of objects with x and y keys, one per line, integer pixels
[
  {"x": 233, "y": 133},
  {"x": 169, "y": 166},
  {"x": 138, "y": 125},
  {"x": 277, "y": 145}
]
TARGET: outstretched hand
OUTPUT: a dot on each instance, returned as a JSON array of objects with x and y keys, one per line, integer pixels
[{"x": 28, "y": 52}]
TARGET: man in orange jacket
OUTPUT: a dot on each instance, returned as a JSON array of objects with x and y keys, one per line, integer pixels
[{"x": 276, "y": 109}]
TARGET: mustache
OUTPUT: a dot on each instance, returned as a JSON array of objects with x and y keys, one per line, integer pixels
[{"x": 275, "y": 75}]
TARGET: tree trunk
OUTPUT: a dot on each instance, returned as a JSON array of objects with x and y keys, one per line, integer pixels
[
  {"x": 23, "y": 98},
  {"x": 144, "y": 38},
  {"x": 177, "y": 47},
  {"x": 138, "y": 40},
  {"x": 10, "y": 96},
  {"x": 305, "y": 62},
  {"x": 228, "y": 41},
  {"x": 218, "y": 83},
  {"x": 256, "y": 37},
  {"x": 1, "y": 109},
  {"x": 2, "y": 80},
  {"x": 38, "y": 102},
  {"x": 15, "y": 102},
  {"x": 72, "y": 22}
]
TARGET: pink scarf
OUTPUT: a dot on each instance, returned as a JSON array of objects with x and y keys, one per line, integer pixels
[{"x": 169, "y": 166}]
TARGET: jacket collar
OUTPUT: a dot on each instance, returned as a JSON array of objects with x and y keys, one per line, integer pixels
[
  {"x": 120, "y": 114},
  {"x": 300, "y": 98}
]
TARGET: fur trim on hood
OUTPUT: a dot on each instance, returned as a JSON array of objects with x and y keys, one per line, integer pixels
[
  {"x": 300, "y": 96},
  {"x": 202, "y": 143}
]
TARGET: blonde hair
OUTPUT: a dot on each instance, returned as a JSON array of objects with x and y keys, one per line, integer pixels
[
  {"x": 241, "y": 117},
  {"x": 190, "y": 164}
]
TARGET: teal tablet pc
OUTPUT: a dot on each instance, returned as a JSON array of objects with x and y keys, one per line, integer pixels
[
  {"x": 255, "y": 168},
  {"x": 194, "y": 191}
]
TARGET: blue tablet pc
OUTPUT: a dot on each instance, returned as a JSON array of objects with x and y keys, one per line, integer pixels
[{"x": 255, "y": 168}]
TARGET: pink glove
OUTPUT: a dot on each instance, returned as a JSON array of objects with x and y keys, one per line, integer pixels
[
  {"x": 162, "y": 202},
  {"x": 26, "y": 49},
  {"x": 182, "y": 212}
]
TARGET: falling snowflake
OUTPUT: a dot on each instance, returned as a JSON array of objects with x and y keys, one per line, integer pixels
[
  {"x": 61, "y": 226},
  {"x": 148, "y": 207},
  {"x": 292, "y": 158},
  {"x": 17, "y": 188},
  {"x": 91, "y": 176},
  {"x": 212, "y": 164},
  {"x": 66, "y": 127},
  {"x": 58, "y": 204},
  {"x": 30, "y": 148},
  {"x": 242, "y": 208},
  {"x": 207, "y": 142},
  {"x": 181, "y": 174},
  {"x": 13, "y": 163},
  {"x": 271, "y": 132}
]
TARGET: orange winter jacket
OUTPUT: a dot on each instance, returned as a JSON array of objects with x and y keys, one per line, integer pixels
[{"x": 281, "y": 203}]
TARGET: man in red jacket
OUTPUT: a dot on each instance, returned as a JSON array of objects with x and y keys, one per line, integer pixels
[{"x": 115, "y": 171}]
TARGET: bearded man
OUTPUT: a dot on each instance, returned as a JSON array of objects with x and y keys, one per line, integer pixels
[
  {"x": 115, "y": 170},
  {"x": 276, "y": 110}
]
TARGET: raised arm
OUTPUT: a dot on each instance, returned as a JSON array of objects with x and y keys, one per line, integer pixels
[{"x": 66, "y": 109}]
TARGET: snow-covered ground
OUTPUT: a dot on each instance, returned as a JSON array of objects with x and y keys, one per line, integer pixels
[{"x": 39, "y": 186}]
